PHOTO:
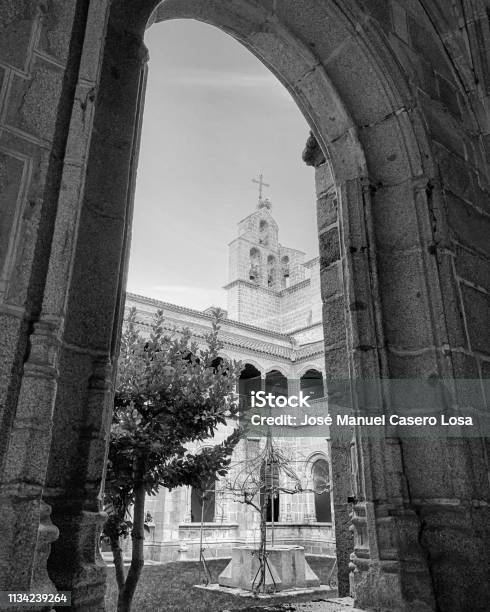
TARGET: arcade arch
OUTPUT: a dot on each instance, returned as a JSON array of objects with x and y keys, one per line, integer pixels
[
  {"x": 311, "y": 383},
  {"x": 276, "y": 383},
  {"x": 250, "y": 380},
  {"x": 386, "y": 238}
]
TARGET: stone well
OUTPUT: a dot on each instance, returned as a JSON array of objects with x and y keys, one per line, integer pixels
[{"x": 288, "y": 569}]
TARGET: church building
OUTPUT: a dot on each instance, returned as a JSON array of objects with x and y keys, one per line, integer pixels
[{"x": 273, "y": 326}]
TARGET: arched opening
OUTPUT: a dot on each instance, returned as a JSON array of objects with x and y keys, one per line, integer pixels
[
  {"x": 269, "y": 491},
  {"x": 271, "y": 271},
  {"x": 255, "y": 265},
  {"x": 264, "y": 232},
  {"x": 276, "y": 383},
  {"x": 321, "y": 487},
  {"x": 285, "y": 271},
  {"x": 254, "y": 256},
  {"x": 250, "y": 381},
  {"x": 203, "y": 502},
  {"x": 311, "y": 383}
]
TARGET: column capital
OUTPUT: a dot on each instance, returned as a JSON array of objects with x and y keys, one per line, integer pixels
[{"x": 312, "y": 154}]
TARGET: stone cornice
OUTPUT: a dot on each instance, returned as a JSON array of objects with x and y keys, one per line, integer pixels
[
  {"x": 242, "y": 281},
  {"x": 295, "y": 287},
  {"x": 306, "y": 328},
  {"x": 311, "y": 262},
  {"x": 276, "y": 292}
]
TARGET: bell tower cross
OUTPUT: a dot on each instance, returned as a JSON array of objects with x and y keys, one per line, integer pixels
[{"x": 261, "y": 185}]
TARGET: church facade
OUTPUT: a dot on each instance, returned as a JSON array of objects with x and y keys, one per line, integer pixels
[{"x": 273, "y": 327}]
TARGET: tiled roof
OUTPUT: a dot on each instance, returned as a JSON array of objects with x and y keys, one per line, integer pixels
[{"x": 235, "y": 337}]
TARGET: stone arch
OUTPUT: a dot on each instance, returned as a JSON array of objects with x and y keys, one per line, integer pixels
[
  {"x": 203, "y": 504},
  {"x": 264, "y": 237},
  {"x": 253, "y": 362},
  {"x": 279, "y": 368},
  {"x": 250, "y": 370},
  {"x": 390, "y": 243},
  {"x": 285, "y": 271},
  {"x": 310, "y": 462},
  {"x": 250, "y": 381},
  {"x": 312, "y": 457},
  {"x": 255, "y": 272},
  {"x": 203, "y": 500},
  {"x": 320, "y": 476},
  {"x": 271, "y": 271},
  {"x": 377, "y": 148},
  {"x": 276, "y": 382},
  {"x": 311, "y": 366},
  {"x": 312, "y": 382}
]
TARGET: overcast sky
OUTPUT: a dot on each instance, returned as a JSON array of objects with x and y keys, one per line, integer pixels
[{"x": 214, "y": 118}]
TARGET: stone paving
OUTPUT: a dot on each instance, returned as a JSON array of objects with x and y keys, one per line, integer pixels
[{"x": 344, "y": 604}]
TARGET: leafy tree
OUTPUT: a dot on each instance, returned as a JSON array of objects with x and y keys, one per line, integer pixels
[{"x": 169, "y": 393}]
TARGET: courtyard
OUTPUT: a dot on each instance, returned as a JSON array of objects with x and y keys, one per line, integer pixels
[{"x": 170, "y": 587}]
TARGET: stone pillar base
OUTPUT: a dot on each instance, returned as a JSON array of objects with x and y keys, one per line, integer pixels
[{"x": 379, "y": 586}]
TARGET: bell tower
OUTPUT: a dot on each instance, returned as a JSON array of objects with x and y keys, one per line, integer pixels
[
  {"x": 260, "y": 268},
  {"x": 254, "y": 254}
]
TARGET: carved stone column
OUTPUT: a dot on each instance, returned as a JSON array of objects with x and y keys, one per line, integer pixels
[
  {"x": 336, "y": 356},
  {"x": 89, "y": 297},
  {"x": 294, "y": 387},
  {"x": 26, "y": 515},
  {"x": 56, "y": 116},
  {"x": 77, "y": 511}
]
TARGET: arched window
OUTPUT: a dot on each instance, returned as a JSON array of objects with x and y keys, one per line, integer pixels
[
  {"x": 311, "y": 383},
  {"x": 269, "y": 493},
  {"x": 321, "y": 486},
  {"x": 271, "y": 271},
  {"x": 276, "y": 383},
  {"x": 203, "y": 502},
  {"x": 255, "y": 259},
  {"x": 263, "y": 232},
  {"x": 285, "y": 271}
]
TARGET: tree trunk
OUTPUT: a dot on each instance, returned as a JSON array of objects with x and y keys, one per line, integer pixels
[
  {"x": 125, "y": 597},
  {"x": 262, "y": 549},
  {"x": 118, "y": 562}
]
